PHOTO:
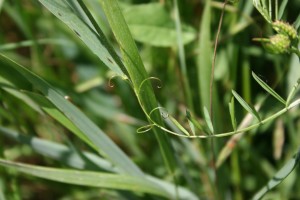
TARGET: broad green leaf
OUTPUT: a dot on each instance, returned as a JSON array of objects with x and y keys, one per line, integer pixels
[
  {"x": 249, "y": 108},
  {"x": 268, "y": 88},
  {"x": 138, "y": 75},
  {"x": 152, "y": 24},
  {"x": 86, "y": 178},
  {"x": 208, "y": 120},
  {"x": 279, "y": 176},
  {"x": 232, "y": 114},
  {"x": 96, "y": 42},
  {"x": 101, "y": 141}
]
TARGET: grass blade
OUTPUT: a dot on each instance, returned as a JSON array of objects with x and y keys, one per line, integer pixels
[
  {"x": 152, "y": 24},
  {"x": 83, "y": 160},
  {"x": 208, "y": 120},
  {"x": 96, "y": 42},
  {"x": 268, "y": 88},
  {"x": 138, "y": 75},
  {"x": 205, "y": 55},
  {"x": 232, "y": 114},
  {"x": 249, "y": 108},
  {"x": 279, "y": 176},
  {"x": 60, "y": 152},
  {"x": 100, "y": 140},
  {"x": 282, "y": 8},
  {"x": 86, "y": 178}
]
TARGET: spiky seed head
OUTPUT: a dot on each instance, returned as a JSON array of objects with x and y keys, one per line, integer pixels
[
  {"x": 285, "y": 29},
  {"x": 278, "y": 44}
]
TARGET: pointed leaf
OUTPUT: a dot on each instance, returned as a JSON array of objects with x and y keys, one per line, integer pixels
[
  {"x": 193, "y": 121},
  {"x": 279, "y": 176},
  {"x": 101, "y": 141},
  {"x": 268, "y": 88},
  {"x": 232, "y": 114},
  {"x": 86, "y": 178},
  {"x": 208, "y": 120},
  {"x": 96, "y": 42},
  {"x": 178, "y": 125},
  {"x": 249, "y": 108}
]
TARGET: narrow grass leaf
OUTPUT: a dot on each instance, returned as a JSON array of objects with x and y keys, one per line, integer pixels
[
  {"x": 101, "y": 141},
  {"x": 208, "y": 120},
  {"x": 249, "y": 108},
  {"x": 292, "y": 92},
  {"x": 262, "y": 9},
  {"x": 138, "y": 75},
  {"x": 96, "y": 42},
  {"x": 268, "y": 88},
  {"x": 282, "y": 8},
  {"x": 279, "y": 176},
  {"x": 205, "y": 56},
  {"x": 83, "y": 160},
  {"x": 62, "y": 153},
  {"x": 179, "y": 126},
  {"x": 193, "y": 121},
  {"x": 86, "y": 178},
  {"x": 232, "y": 114}
]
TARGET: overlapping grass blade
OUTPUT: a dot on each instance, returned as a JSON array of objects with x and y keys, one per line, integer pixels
[
  {"x": 102, "y": 142},
  {"x": 268, "y": 88},
  {"x": 86, "y": 178},
  {"x": 282, "y": 8},
  {"x": 205, "y": 55},
  {"x": 232, "y": 114},
  {"x": 96, "y": 42},
  {"x": 249, "y": 108},
  {"x": 62, "y": 153},
  {"x": 279, "y": 176},
  {"x": 82, "y": 160},
  {"x": 137, "y": 75},
  {"x": 208, "y": 120}
]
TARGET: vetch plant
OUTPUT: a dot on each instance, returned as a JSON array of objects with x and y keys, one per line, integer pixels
[{"x": 193, "y": 162}]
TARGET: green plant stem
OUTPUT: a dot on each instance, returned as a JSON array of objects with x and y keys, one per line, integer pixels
[{"x": 225, "y": 134}]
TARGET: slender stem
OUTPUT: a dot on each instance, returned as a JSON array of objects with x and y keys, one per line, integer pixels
[{"x": 268, "y": 119}]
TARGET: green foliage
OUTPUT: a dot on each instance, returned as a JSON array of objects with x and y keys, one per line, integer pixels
[{"x": 79, "y": 79}]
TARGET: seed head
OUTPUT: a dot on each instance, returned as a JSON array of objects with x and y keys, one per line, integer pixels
[
  {"x": 285, "y": 29},
  {"x": 278, "y": 44}
]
